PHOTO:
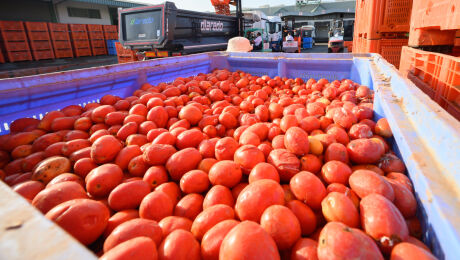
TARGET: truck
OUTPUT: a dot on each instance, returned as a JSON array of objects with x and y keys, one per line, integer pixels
[
  {"x": 430, "y": 153},
  {"x": 336, "y": 33},
  {"x": 164, "y": 30}
]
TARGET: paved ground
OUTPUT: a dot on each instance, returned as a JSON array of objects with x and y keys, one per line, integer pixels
[{"x": 27, "y": 68}]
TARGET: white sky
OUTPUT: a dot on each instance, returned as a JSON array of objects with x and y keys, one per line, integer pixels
[{"x": 205, "y": 5}]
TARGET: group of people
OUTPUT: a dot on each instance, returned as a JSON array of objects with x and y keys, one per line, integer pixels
[{"x": 243, "y": 44}]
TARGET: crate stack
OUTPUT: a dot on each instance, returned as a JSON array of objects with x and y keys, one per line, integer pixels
[
  {"x": 80, "y": 40},
  {"x": 2, "y": 59},
  {"x": 381, "y": 26},
  {"x": 13, "y": 41},
  {"x": 96, "y": 38},
  {"x": 125, "y": 55},
  {"x": 110, "y": 32},
  {"x": 60, "y": 39},
  {"x": 39, "y": 40},
  {"x": 431, "y": 59}
]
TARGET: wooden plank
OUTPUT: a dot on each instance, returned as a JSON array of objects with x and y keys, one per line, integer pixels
[{"x": 25, "y": 233}]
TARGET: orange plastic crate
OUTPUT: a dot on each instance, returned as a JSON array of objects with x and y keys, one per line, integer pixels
[
  {"x": 58, "y": 27},
  {"x": 434, "y": 22},
  {"x": 63, "y": 53},
  {"x": 38, "y": 36},
  {"x": 111, "y": 35},
  {"x": 96, "y": 35},
  {"x": 36, "y": 26},
  {"x": 16, "y": 46},
  {"x": 374, "y": 18},
  {"x": 79, "y": 35},
  {"x": 348, "y": 45},
  {"x": 94, "y": 28},
  {"x": 11, "y": 26},
  {"x": 77, "y": 27},
  {"x": 390, "y": 49},
  {"x": 43, "y": 54},
  {"x": 14, "y": 56},
  {"x": 98, "y": 44},
  {"x": 41, "y": 45},
  {"x": 110, "y": 28},
  {"x": 60, "y": 39},
  {"x": 82, "y": 52},
  {"x": 99, "y": 51},
  {"x": 83, "y": 44},
  {"x": 438, "y": 72}
]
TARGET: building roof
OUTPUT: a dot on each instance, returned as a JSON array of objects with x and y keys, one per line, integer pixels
[
  {"x": 308, "y": 10},
  {"x": 115, "y": 3}
]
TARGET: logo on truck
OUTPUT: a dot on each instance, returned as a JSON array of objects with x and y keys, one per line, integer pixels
[
  {"x": 135, "y": 21},
  {"x": 215, "y": 26}
]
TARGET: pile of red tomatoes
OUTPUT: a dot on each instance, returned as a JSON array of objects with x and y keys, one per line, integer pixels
[{"x": 224, "y": 165}]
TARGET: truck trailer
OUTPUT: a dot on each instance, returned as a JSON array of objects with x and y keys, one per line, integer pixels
[{"x": 164, "y": 30}]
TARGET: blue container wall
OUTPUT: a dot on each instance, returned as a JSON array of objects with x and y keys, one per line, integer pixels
[{"x": 425, "y": 137}]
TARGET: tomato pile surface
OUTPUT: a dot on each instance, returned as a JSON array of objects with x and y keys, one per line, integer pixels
[{"x": 223, "y": 165}]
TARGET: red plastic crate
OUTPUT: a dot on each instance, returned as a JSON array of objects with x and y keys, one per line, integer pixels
[
  {"x": 82, "y": 52},
  {"x": 59, "y": 45},
  {"x": 43, "y": 54},
  {"x": 77, "y": 27},
  {"x": 38, "y": 36},
  {"x": 374, "y": 18},
  {"x": 63, "y": 53},
  {"x": 41, "y": 45},
  {"x": 58, "y": 27},
  {"x": 14, "y": 56},
  {"x": 11, "y": 26},
  {"x": 36, "y": 26},
  {"x": 348, "y": 45},
  {"x": 99, "y": 51},
  {"x": 111, "y": 35},
  {"x": 96, "y": 35},
  {"x": 84, "y": 44},
  {"x": 94, "y": 28},
  {"x": 12, "y": 36},
  {"x": 16, "y": 46},
  {"x": 98, "y": 43},
  {"x": 79, "y": 35},
  {"x": 110, "y": 28}
]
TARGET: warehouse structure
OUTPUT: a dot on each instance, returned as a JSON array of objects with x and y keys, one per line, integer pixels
[
  {"x": 63, "y": 11},
  {"x": 317, "y": 13}
]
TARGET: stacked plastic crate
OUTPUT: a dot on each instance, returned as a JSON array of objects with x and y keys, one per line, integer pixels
[
  {"x": 80, "y": 41},
  {"x": 125, "y": 55},
  {"x": 60, "y": 38},
  {"x": 13, "y": 41},
  {"x": 430, "y": 60},
  {"x": 96, "y": 38},
  {"x": 381, "y": 26},
  {"x": 110, "y": 32},
  {"x": 39, "y": 40}
]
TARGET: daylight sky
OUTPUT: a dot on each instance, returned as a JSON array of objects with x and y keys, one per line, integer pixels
[{"x": 205, "y": 5}]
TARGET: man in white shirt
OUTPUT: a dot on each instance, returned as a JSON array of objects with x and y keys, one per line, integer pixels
[
  {"x": 258, "y": 42},
  {"x": 289, "y": 37}
]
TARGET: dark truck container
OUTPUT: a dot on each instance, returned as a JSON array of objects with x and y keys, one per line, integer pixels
[{"x": 163, "y": 30}]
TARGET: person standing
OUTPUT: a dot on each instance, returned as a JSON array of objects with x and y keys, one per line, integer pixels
[{"x": 258, "y": 42}]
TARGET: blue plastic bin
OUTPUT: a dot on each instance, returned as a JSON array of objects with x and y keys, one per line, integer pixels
[
  {"x": 307, "y": 45},
  {"x": 307, "y": 40},
  {"x": 111, "y": 47},
  {"x": 425, "y": 136}
]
